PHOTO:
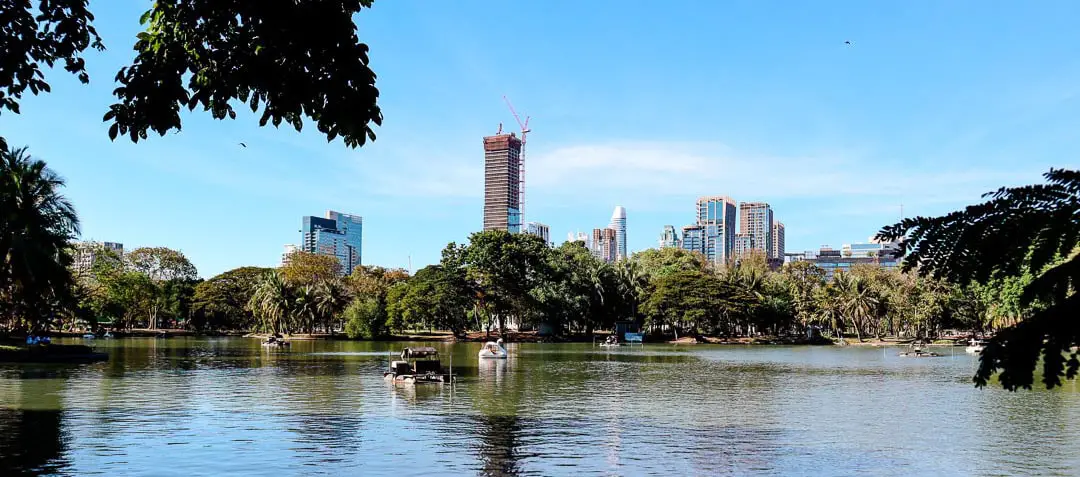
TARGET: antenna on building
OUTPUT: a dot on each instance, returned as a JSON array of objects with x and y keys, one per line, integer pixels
[{"x": 521, "y": 160}]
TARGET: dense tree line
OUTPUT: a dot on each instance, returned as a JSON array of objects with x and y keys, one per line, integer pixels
[
  {"x": 498, "y": 280},
  {"x": 148, "y": 288}
]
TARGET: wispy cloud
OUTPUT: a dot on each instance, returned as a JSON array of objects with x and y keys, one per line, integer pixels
[{"x": 640, "y": 172}]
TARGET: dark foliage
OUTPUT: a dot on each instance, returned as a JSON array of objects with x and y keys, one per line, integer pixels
[
  {"x": 292, "y": 59},
  {"x": 288, "y": 59},
  {"x": 55, "y": 31},
  {"x": 1031, "y": 229}
]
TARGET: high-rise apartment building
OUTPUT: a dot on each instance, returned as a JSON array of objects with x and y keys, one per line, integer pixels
[
  {"x": 693, "y": 238},
  {"x": 339, "y": 235},
  {"x": 716, "y": 215},
  {"x": 744, "y": 243},
  {"x": 618, "y": 224},
  {"x": 87, "y": 253},
  {"x": 540, "y": 230},
  {"x": 777, "y": 240},
  {"x": 502, "y": 173},
  {"x": 756, "y": 221},
  {"x": 609, "y": 245},
  {"x": 670, "y": 238}
]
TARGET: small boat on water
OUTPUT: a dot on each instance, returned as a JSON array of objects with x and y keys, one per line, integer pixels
[
  {"x": 919, "y": 353},
  {"x": 418, "y": 366},
  {"x": 108, "y": 334},
  {"x": 89, "y": 336},
  {"x": 975, "y": 346},
  {"x": 611, "y": 342},
  {"x": 493, "y": 350}
]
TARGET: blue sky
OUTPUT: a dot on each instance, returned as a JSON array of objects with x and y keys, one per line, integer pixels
[{"x": 642, "y": 104}]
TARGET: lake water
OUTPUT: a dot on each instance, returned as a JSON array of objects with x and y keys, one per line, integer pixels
[{"x": 188, "y": 406}]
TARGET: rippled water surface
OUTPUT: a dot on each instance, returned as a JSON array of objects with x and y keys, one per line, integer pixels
[{"x": 188, "y": 406}]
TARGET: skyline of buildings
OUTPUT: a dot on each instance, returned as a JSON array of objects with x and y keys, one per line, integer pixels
[
  {"x": 502, "y": 183},
  {"x": 714, "y": 232},
  {"x": 338, "y": 234}
]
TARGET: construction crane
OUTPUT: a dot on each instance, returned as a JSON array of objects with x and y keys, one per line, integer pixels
[{"x": 521, "y": 161}]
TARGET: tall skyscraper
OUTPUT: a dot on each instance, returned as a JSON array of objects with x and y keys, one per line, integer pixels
[
  {"x": 618, "y": 224},
  {"x": 502, "y": 201},
  {"x": 540, "y": 230},
  {"x": 716, "y": 215},
  {"x": 339, "y": 235},
  {"x": 670, "y": 238},
  {"x": 756, "y": 221},
  {"x": 777, "y": 239}
]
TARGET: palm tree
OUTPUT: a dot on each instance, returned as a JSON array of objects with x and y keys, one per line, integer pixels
[
  {"x": 37, "y": 225},
  {"x": 858, "y": 301},
  {"x": 633, "y": 281},
  {"x": 595, "y": 280},
  {"x": 329, "y": 302},
  {"x": 272, "y": 303},
  {"x": 829, "y": 309},
  {"x": 1032, "y": 229}
]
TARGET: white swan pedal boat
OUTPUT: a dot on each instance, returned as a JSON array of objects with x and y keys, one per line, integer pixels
[{"x": 493, "y": 350}]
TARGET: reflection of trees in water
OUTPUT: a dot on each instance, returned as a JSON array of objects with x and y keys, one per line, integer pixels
[
  {"x": 31, "y": 442},
  {"x": 31, "y": 437},
  {"x": 497, "y": 396},
  {"x": 500, "y": 439},
  {"x": 320, "y": 399}
]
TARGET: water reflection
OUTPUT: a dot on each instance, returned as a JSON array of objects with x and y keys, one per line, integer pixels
[
  {"x": 219, "y": 406},
  {"x": 500, "y": 439},
  {"x": 32, "y": 440}
]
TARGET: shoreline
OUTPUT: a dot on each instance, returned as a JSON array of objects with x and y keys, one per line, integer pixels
[{"x": 529, "y": 337}]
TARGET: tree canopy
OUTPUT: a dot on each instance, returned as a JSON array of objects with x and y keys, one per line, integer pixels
[
  {"x": 161, "y": 264},
  {"x": 1020, "y": 230},
  {"x": 283, "y": 60},
  {"x": 221, "y": 302},
  {"x": 303, "y": 268}
]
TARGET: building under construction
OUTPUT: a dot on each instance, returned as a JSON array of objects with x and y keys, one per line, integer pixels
[{"x": 502, "y": 174}]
